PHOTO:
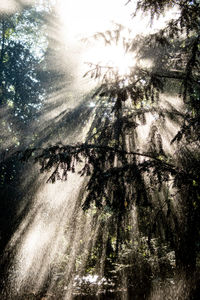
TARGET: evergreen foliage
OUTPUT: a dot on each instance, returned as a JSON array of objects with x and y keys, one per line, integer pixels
[
  {"x": 120, "y": 175},
  {"x": 163, "y": 186}
]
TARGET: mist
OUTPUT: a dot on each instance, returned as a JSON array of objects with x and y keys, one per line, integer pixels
[{"x": 68, "y": 230}]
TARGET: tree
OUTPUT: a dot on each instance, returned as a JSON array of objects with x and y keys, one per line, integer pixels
[
  {"x": 23, "y": 43},
  {"x": 22, "y": 48},
  {"x": 119, "y": 175}
]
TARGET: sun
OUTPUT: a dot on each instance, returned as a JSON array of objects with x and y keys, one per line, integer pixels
[
  {"x": 113, "y": 57},
  {"x": 121, "y": 61},
  {"x": 83, "y": 19}
]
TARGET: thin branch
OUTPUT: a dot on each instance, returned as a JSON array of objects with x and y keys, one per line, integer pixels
[{"x": 80, "y": 148}]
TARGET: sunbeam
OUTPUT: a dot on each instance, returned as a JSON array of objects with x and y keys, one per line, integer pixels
[{"x": 99, "y": 111}]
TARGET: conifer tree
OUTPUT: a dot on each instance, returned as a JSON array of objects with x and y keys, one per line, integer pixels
[{"x": 119, "y": 173}]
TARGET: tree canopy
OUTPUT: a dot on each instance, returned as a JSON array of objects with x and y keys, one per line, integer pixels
[{"x": 154, "y": 173}]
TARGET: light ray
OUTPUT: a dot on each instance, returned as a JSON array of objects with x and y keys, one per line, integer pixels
[{"x": 54, "y": 228}]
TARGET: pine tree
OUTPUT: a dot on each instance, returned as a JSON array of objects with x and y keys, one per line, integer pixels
[{"x": 163, "y": 185}]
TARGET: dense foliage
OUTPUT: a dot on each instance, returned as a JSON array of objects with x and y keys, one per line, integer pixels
[
  {"x": 23, "y": 43},
  {"x": 122, "y": 173}
]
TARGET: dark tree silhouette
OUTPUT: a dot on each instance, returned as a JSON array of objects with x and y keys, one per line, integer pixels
[{"x": 120, "y": 172}]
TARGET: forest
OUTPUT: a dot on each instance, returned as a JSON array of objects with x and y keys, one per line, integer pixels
[{"x": 100, "y": 150}]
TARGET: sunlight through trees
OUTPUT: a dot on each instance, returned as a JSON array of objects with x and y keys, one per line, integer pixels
[{"x": 109, "y": 115}]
